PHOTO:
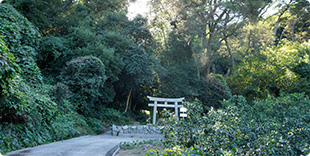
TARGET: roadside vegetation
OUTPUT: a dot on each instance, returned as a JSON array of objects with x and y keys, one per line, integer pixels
[
  {"x": 139, "y": 148},
  {"x": 274, "y": 126},
  {"x": 71, "y": 68}
]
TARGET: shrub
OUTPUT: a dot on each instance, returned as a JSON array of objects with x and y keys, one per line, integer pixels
[
  {"x": 275, "y": 126},
  {"x": 28, "y": 116},
  {"x": 213, "y": 90},
  {"x": 85, "y": 76},
  {"x": 277, "y": 69},
  {"x": 60, "y": 93},
  {"x": 22, "y": 38},
  {"x": 9, "y": 69}
]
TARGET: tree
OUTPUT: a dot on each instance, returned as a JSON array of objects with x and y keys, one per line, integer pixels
[
  {"x": 178, "y": 72},
  {"x": 253, "y": 11},
  {"x": 55, "y": 17},
  {"x": 209, "y": 22},
  {"x": 279, "y": 15},
  {"x": 290, "y": 20},
  {"x": 106, "y": 33},
  {"x": 136, "y": 77},
  {"x": 272, "y": 71},
  {"x": 85, "y": 76},
  {"x": 297, "y": 22}
]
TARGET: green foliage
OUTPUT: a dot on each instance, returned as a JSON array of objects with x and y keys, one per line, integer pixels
[
  {"x": 127, "y": 64},
  {"x": 134, "y": 144},
  {"x": 210, "y": 91},
  {"x": 9, "y": 68},
  {"x": 85, "y": 76},
  {"x": 110, "y": 116},
  {"x": 275, "y": 126},
  {"x": 52, "y": 56},
  {"x": 179, "y": 74},
  {"x": 16, "y": 29},
  {"x": 213, "y": 91},
  {"x": 59, "y": 93},
  {"x": 294, "y": 23},
  {"x": 27, "y": 111},
  {"x": 11, "y": 110},
  {"x": 40, "y": 13},
  {"x": 84, "y": 73},
  {"x": 31, "y": 118},
  {"x": 139, "y": 65},
  {"x": 281, "y": 68},
  {"x": 28, "y": 116},
  {"x": 105, "y": 60},
  {"x": 22, "y": 38}
]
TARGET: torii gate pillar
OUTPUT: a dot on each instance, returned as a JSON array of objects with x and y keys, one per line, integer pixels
[{"x": 165, "y": 102}]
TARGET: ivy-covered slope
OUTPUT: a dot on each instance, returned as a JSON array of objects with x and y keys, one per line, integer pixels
[{"x": 28, "y": 116}]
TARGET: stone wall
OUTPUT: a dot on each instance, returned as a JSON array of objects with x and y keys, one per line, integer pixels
[{"x": 136, "y": 130}]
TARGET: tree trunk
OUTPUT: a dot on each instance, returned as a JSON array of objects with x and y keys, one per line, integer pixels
[
  {"x": 284, "y": 30},
  {"x": 206, "y": 69},
  {"x": 278, "y": 21},
  {"x": 134, "y": 107},
  {"x": 128, "y": 99},
  {"x": 230, "y": 53},
  {"x": 249, "y": 43},
  {"x": 130, "y": 102},
  {"x": 293, "y": 29}
]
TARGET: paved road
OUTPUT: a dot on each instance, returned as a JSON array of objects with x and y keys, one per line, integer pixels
[{"x": 97, "y": 145}]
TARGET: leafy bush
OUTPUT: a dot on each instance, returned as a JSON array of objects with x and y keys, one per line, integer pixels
[
  {"x": 9, "y": 69},
  {"x": 85, "y": 76},
  {"x": 35, "y": 119},
  {"x": 12, "y": 103},
  {"x": 68, "y": 123},
  {"x": 282, "y": 68},
  {"x": 275, "y": 126},
  {"x": 59, "y": 93},
  {"x": 28, "y": 116},
  {"x": 22, "y": 38},
  {"x": 213, "y": 90},
  {"x": 53, "y": 54}
]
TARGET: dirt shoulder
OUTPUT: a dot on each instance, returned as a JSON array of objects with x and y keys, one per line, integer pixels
[{"x": 139, "y": 149}]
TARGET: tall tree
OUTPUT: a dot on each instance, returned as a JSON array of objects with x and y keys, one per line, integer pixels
[
  {"x": 209, "y": 22},
  {"x": 254, "y": 10},
  {"x": 295, "y": 23}
]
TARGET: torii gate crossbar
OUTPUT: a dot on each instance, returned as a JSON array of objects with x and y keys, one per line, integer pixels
[{"x": 158, "y": 103}]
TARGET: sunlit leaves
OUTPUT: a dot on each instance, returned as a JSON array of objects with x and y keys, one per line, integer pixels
[{"x": 271, "y": 71}]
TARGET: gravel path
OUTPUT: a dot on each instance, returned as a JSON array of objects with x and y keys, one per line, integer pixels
[{"x": 97, "y": 145}]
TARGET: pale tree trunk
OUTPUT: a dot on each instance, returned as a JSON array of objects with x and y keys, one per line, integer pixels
[
  {"x": 208, "y": 64},
  {"x": 206, "y": 69},
  {"x": 284, "y": 31},
  {"x": 128, "y": 99},
  {"x": 206, "y": 50},
  {"x": 130, "y": 102},
  {"x": 134, "y": 107},
  {"x": 278, "y": 21},
  {"x": 230, "y": 53},
  {"x": 249, "y": 43},
  {"x": 293, "y": 29}
]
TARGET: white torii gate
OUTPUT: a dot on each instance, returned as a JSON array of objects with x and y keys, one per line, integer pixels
[{"x": 165, "y": 102}]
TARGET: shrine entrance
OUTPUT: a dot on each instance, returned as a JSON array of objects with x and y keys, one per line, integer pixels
[{"x": 165, "y": 102}]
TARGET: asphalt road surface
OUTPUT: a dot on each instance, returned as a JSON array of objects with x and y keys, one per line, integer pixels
[{"x": 97, "y": 145}]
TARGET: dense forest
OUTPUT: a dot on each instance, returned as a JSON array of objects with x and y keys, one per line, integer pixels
[{"x": 74, "y": 67}]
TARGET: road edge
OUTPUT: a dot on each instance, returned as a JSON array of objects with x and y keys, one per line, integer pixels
[{"x": 113, "y": 150}]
